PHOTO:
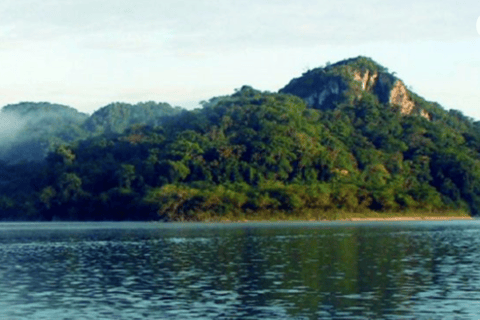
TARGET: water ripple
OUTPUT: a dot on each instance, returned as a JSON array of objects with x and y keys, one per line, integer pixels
[{"x": 412, "y": 271}]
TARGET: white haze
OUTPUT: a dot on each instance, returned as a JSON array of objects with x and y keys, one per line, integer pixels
[{"x": 10, "y": 125}]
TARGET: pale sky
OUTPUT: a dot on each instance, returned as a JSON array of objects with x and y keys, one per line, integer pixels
[{"x": 89, "y": 53}]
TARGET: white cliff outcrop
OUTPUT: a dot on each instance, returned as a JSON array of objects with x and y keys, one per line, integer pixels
[
  {"x": 345, "y": 82},
  {"x": 398, "y": 94},
  {"x": 368, "y": 79}
]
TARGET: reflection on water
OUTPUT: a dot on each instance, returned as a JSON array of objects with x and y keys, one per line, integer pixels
[{"x": 414, "y": 270}]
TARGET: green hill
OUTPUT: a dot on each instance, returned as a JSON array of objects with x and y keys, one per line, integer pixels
[
  {"x": 347, "y": 138},
  {"x": 30, "y": 129},
  {"x": 117, "y": 117}
]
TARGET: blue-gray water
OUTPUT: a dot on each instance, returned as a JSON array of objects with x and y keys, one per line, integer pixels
[{"x": 395, "y": 270}]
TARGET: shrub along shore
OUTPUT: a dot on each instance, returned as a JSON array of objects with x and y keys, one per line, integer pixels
[{"x": 315, "y": 215}]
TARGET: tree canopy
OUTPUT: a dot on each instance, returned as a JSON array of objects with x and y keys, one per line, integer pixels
[{"x": 253, "y": 153}]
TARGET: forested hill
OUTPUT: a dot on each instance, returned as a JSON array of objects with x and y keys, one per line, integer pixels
[
  {"x": 27, "y": 130},
  {"x": 349, "y": 137},
  {"x": 117, "y": 117},
  {"x": 30, "y": 130}
]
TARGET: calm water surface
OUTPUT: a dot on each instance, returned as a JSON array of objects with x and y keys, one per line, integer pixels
[{"x": 384, "y": 270}]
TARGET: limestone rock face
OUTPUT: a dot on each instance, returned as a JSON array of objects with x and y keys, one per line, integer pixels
[
  {"x": 399, "y": 96},
  {"x": 396, "y": 94},
  {"x": 324, "y": 88},
  {"x": 331, "y": 91},
  {"x": 319, "y": 90},
  {"x": 368, "y": 79}
]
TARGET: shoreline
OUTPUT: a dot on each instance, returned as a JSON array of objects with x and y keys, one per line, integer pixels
[
  {"x": 310, "y": 215},
  {"x": 239, "y": 222},
  {"x": 369, "y": 219},
  {"x": 442, "y": 218}
]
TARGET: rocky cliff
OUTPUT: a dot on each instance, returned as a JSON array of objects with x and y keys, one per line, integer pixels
[{"x": 346, "y": 81}]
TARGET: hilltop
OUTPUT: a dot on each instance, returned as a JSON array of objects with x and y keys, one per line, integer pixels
[
  {"x": 30, "y": 129},
  {"x": 348, "y": 137},
  {"x": 347, "y": 80}
]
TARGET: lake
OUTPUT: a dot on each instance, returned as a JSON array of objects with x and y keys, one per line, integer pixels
[{"x": 324, "y": 270}]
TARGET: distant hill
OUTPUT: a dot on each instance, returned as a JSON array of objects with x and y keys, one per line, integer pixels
[
  {"x": 349, "y": 138},
  {"x": 31, "y": 130},
  {"x": 34, "y": 111},
  {"x": 117, "y": 117}
]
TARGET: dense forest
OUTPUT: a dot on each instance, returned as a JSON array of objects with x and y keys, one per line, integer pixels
[{"x": 347, "y": 137}]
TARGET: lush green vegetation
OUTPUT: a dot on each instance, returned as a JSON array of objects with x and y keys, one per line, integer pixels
[
  {"x": 29, "y": 131},
  {"x": 255, "y": 155}
]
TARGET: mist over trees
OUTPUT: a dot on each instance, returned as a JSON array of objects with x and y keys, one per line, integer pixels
[
  {"x": 10, "y": 125},
  {"x": 29, "y": 131},
  {"x": 332, "y": 140}
]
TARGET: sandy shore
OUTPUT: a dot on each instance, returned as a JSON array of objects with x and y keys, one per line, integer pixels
[
  {"x": 437, "y": 218},
  {"x": 406, "y": 219}
]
